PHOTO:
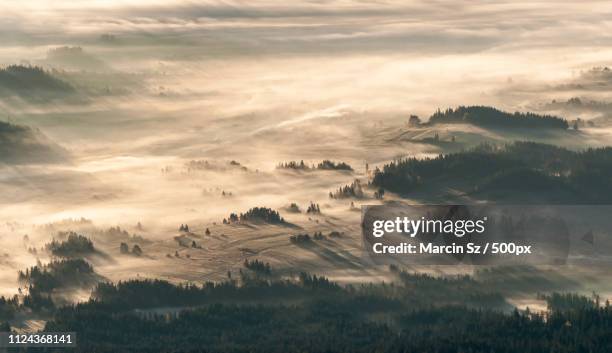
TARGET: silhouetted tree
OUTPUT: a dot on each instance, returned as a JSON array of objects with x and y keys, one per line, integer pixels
[
  {"x": 136, "y": 250},
  {"x": 123, "y": 248}
]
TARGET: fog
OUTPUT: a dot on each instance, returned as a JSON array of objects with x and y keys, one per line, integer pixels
[{"x": 160, "y": 83}]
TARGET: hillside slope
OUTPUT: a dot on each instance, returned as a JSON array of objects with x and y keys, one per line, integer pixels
[{"x": 22, "y": 144}]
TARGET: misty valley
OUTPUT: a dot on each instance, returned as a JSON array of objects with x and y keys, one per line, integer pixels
[{"x": 192, "y": 177}]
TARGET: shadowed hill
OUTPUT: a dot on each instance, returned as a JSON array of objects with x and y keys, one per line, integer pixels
[
  {"x": 32, "y": 82},
  {"x": 489, "y": 117},
  {"x": 22, "y": 144},
  {"x": 518, "y": 170}
]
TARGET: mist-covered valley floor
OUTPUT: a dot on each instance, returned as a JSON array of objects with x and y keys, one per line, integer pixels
[{"x": 143, "y": 128}]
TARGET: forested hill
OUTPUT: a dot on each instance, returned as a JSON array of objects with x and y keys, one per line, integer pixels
[
  {"x": 419, "y": 313},
  {"x": 22, "y": 144},
  {"x": 490, "y": 117},
  {"x": 549, "y": 173},
  {"x": 32, "y": 82}
]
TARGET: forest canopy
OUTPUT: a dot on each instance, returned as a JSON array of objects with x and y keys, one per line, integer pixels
[
  {"x": 256, "y": 215},
  {"x": 315, "y": 315},
  {"x": 489, "y": 117},
  {"x": 24, "y": 80},
  {"x": 552, "y": 173},
  {"x": 75, "y": 245}
]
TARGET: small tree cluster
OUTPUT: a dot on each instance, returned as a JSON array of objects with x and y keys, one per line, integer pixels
[
  {"x": 330, "y": 165},
  {"x": 414, "y": 121},
  {"x": 56, "y": 274},
  {"x": 294, "y": 208},
  {"x": 125, "y": 249},
  {"x": 313, "y": 208},
  {"x": 299, "y": 238},
  {"x": 74, "y": 245},
  {"x": 258, "y": 266},
  {"x": 136, "y": 250},
  {"x": 116, "y": 232},
  {"x": 256, "y": 214},
  {"x": 323, "y": 165},
  {"x": 293, "y": 165},
  {"x": 202, "y": 165},
  {"x": 334, "y": 234},
  {"x": 347, "y": 191},
  {"x": 305, "y": 238}
]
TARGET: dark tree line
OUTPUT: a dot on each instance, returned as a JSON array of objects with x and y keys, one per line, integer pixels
[
  {"x": 493, "y": 118},
  {"x": 22, "y": 79},
  {"x": 562, "y": 302},
  {"x": 144, "y": 294},
  {"x": 258, "y": 266},
  {"x": 330, "y": 165},
  {"x": 329, "y": 318},
  {"x": 553, "y": 173},
  {"x": 306, "y": 238},
  {"x": 419, "y": 313},
  {"x": 323, "y": 165},
  {"x": 293, "y": 165},
  {"x": 300, "y": 238},
  {"x": 256, "y": 214}
]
